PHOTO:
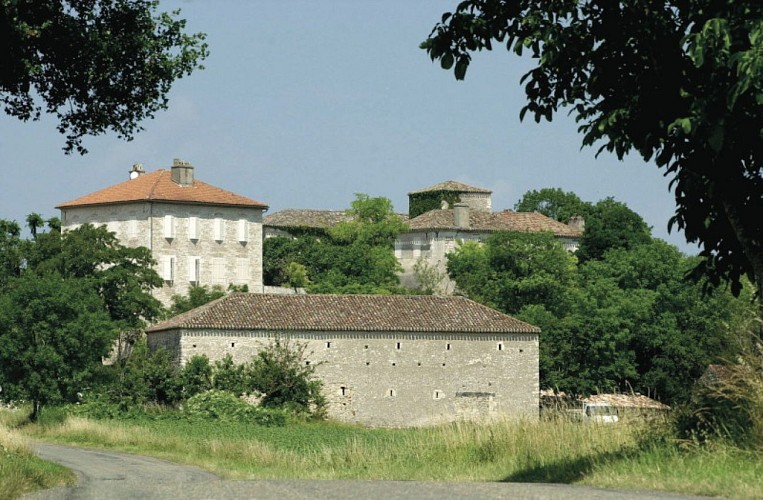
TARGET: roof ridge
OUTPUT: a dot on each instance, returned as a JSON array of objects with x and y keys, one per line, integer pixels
[{"x": 156, "y": 183}]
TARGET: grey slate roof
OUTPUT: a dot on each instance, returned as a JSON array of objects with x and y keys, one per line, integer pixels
[
  {"x": 309, "y": 218},
  {"x": 507, "y": 220},
  {"x": 362, "y": 313},
  {"x": 455, "y": 186}
]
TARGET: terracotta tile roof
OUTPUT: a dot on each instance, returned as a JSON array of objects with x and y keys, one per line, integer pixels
[
  {"x": 455, "y": 186},
  {"x": 157, "y": 186},
  {"x": 496, "y": 221},
  {"x": 363, "y": 313},
  {"x": 306, "y": 218}
]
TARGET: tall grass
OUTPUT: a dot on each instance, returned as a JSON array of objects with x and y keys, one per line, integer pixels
[
  {"x": 20, "y": 471},
  {"x": 615, "y": 456}
]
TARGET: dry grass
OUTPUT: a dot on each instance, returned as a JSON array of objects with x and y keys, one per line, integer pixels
[{"x": 20, "y": 470}]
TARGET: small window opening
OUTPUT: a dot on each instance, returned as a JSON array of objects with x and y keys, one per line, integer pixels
[
  {"x": 328, "y": 345},
  {"x": 447, "y": 347},
  {"x": 521, "y": 350},
  {"x": 194, "y": 345},
  {"x": 437, "y": 394},
  {"x": 443, "y": 364},
  {"x": 398, "y": 345},
  {"x": 419, "y": 363},
  {"x": 391, "y": 393},
  {"x": 368, "y": 363},
  {"x": 366, "y": 347},
  {"x": 233, "y": 344},
  {"x": 307, "y": 363},
  {"x": 394, "y": 364},
  {"x": 343, "y": 390},
  {"x": 500, "y": 347}
]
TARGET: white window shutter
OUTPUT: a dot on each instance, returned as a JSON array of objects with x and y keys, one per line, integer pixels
[
  {"x": 169, "y": 226},
  {"x": 218, "y": 270},
  {"x": 168, "y": 268},
  {"x": 193, "y": 228},
  {"x": 243, "y": 237},
  {"x": 194, "y": 268},
  {"x": 219, "y": 229}
]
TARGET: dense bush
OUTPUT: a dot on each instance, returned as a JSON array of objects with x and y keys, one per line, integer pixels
[{"x": 222, "y": 405}]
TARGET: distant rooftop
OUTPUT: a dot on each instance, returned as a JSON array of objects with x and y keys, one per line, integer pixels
[
  {"x": 308, "y": 218},
  {"x": 493, "y": 221},
  {"x": 455, "y": 186},
  {"x": 158, "y": 186}
]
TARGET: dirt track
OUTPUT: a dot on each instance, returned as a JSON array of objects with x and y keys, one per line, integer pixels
[{"x": 111, "y": 475}]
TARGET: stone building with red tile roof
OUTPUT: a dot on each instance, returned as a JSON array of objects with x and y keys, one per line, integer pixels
[
  {"x": 393, "y": 361},
  {"x": 435, "y": 233},
  {"x": 199, "y": 234}
]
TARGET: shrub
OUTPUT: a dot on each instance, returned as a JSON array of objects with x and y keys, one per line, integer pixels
[
  {"x": 196, "y": 376},
  {"x": 222, "y": 405},
  {"x": 280, "y": 374},
  {"x": 727, "y": 403}
]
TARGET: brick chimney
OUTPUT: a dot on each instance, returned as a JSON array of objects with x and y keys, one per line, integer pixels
[
  {"x": 461, "y": 215},
  {"x": 182, "y": 172}
]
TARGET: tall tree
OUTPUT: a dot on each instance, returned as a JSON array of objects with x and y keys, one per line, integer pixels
[
  {"x": 97, "y": 65},
  {"x": 554, "y": 203},
  {"x": 34, "y": 221},
  {"x": 53, "y": 332},
  {"x": 10, "y": 250},
  {"x": 681, "y": 83},
  {"x": 611, "y": 224},
  {"x": 122, "y": 276}
]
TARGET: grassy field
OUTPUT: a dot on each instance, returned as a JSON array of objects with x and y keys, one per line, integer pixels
[
  {"x": 20, "y": 471},
  {"x": 614, "y": 456}
]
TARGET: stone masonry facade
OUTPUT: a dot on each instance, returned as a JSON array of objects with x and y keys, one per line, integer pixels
[
  {"x": 396, "y": 379},
  {"x": 205, "y": 237},
  {"x": 382, "y": 376}
]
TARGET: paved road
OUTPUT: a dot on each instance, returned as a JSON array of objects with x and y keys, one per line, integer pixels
[{"x": 111, "y": 475}]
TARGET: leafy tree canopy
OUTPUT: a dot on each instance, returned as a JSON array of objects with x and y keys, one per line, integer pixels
[
  {"x": 53, "y": 332},
  {"x": 97, "y": 65},
  {"x": 554, "y": 203},
  {"x": 352, "y": 257},
  {"x": 611, "y": 224},
  {"x": 681, "y": 83}
]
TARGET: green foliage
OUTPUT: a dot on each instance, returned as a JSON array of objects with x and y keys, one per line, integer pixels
[
  {"x": 73, "y": 56},
  {"x": 351, "y": 257},
  {"x": 197, "y": 296},
  {"x": 680, "y": 83},
  {"x": 196, "y": 376},
  {"x": 554, "y": 203},
  {"x": 55, "y": 330},
  {"x": 428, "y": 277},
  {"x": 230, "y": 377},
  {"x": 627, "y": 322},
  {"x": 611, "y": 224},
  {"x": 280, "y": 374},
  {"x": 11, "y": 253},
  {"x": 122, "y": 276},
  {"x": 224, "y": 406},
  {"x": 514, "y": 269},
  {"x": 421, "y": 203},
  {"x": 296, "y": 275}
]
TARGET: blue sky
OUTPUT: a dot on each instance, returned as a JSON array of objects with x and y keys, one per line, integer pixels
[{"x": 302, "y": 104}]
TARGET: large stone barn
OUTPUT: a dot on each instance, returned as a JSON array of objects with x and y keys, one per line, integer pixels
[{"x": 384, "y": 360}]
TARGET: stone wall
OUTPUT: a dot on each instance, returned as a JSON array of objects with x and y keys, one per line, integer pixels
[
  {"x": 397, "y": 379},
  {"x": 230, "y": 254}
]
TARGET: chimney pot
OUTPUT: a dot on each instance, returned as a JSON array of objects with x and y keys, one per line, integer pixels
[
  {"x": 136, "y": 171},
  {"x": 182, "y": 172}
]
